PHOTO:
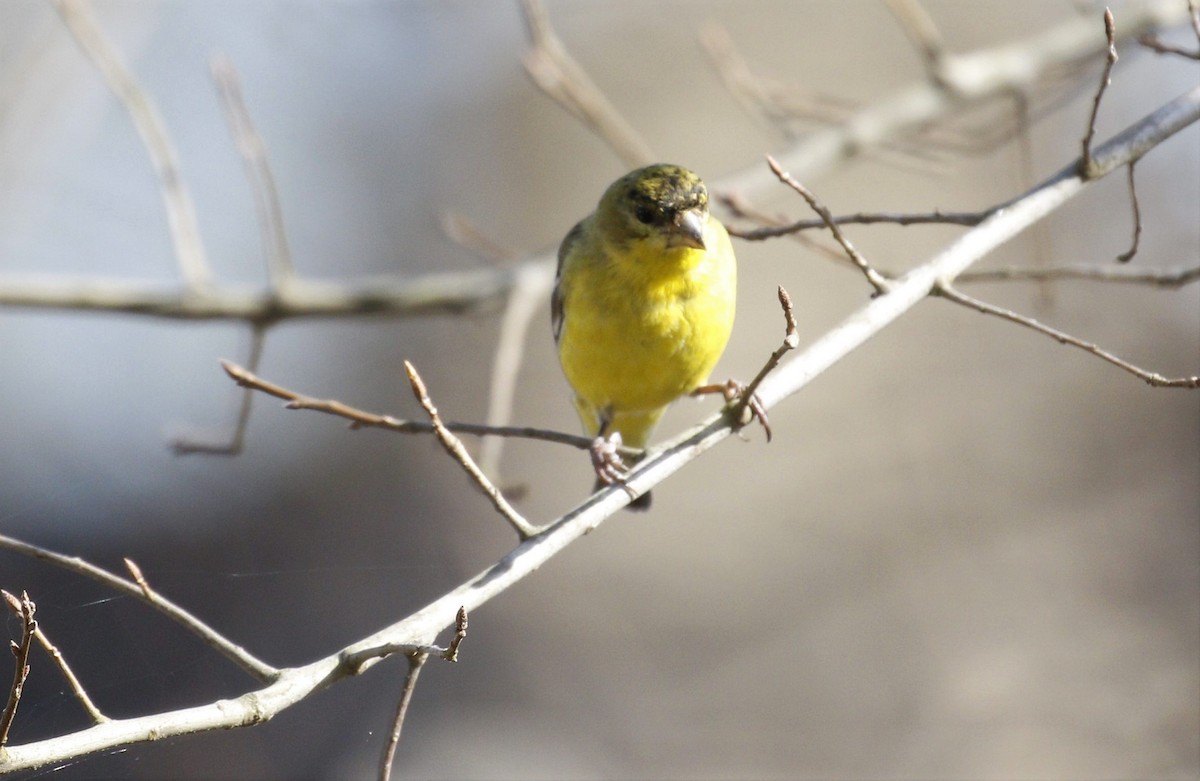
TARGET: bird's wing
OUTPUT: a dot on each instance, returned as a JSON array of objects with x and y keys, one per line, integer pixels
[{"x": 556, "y": 297}]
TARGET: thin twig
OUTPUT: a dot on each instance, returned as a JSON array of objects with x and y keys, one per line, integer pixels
[
  {"x": 77, "y": 687},
  {"x": 1153, "y": 43},
  {"x": 181, "y": 213},
  {"x": 258, "y": 170},
  {"x": 415, "y": 663},
  {"x": 791, "y": 340},
  {"x": 361, "y": 419},
  {"x": 936, "y": 217},
  {"x": 1152, "y": 378},
  {"x": 561, "y": 78},
  {"x": 453, "y": 445},
  {"x": 240, "y": 656},
  {"x": 25, "y": 609},
  {"x": 1087, "y": 166},
  {"x": 1128, "y": 254},
  {"x": 880, "y": 284},
  {"x": 233, "y": 444}
]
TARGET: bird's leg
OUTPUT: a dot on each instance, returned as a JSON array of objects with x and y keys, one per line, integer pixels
[{"x": 732, "y": 391}]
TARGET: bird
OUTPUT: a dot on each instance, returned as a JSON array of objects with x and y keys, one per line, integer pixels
[{"x": 642, "y": 309}]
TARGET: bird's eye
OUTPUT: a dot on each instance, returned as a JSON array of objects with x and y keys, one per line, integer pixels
[{"x": 644, "y": 214}]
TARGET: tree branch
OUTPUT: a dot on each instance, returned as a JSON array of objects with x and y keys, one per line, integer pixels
[
  {"x": 240, "y": 656},
  {"x": 181, "y": 213}
]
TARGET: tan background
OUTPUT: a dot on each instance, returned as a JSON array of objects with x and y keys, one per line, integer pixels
[{"x": 969, "y": 553}]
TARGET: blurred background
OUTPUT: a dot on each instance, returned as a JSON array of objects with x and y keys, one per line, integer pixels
[{"x": 969, "y": 552}]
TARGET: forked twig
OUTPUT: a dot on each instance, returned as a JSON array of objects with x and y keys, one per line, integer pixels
[
  {"x": 791, "y": 340},
  {"x": 877, "y": 281}
]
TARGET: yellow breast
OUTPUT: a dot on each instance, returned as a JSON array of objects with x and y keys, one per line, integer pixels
[{"x": 645, "y": 325}]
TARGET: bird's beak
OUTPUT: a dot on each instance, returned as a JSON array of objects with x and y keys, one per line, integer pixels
[{"x": 689, "y": 229}]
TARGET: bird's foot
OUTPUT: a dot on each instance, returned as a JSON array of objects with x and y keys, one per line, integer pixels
[
  {"x": 735, "y": 396},
  {"x": 606, "y": 460}
]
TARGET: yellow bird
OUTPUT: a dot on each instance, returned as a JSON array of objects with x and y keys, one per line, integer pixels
[{"x": 642, "y": 307}]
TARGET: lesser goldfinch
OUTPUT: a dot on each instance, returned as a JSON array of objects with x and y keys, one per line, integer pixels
[{"x": 642, "y": 307}]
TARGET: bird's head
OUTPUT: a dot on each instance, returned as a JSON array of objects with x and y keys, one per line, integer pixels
[{"x": 658, "y": 203}]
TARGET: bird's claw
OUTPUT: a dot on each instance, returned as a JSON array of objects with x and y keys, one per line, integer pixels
[
  {"x": 734, "y": 391},
  {"x": 606, "y": 460}
]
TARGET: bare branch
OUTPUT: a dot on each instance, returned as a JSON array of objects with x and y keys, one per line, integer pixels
[
  {"x": 1168, "y": 278},
  {"x": 554, "y": 71},
  {"x": 258, "y": 170},
  {"x": 791, "y": 340},
  {"x": 445, "y": 293},
  {"x": 232, "y": 444},
  {"x": 235, "y": 653},
  {"x": 77, "y": 687},
  {"x": 181, "y": 213},
  {"x": 966, "y": 80},
  {"x": 24, "y": 608},
  {"x": 1154, "y": 43},
  {"x": 415, "y": 663},
  {"x": 880, "y": 284},
  {"x": 1110, "y": 33},
  {"x": 526, "y": 300},
  {"x": 935, "y": 217},
  {"x": 360, "y": 419},
  {"x": 455, "y": 448},
  {"x": 1128, "y": 254},
  {"x": 1152, "y": 378},
  {"x": 921, "y": 30}
]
